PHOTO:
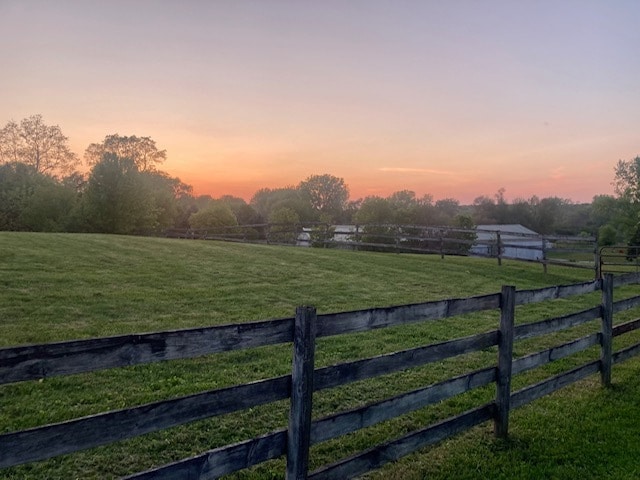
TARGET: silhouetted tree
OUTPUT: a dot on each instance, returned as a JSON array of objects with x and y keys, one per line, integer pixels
[
  {"x": 326, "y": 193},
  {"x": 266, "y": 201},
  {"x": 141, "y": 150},
  {"x": 42, "y": 147},
  {"x": 117, "y": 198}
]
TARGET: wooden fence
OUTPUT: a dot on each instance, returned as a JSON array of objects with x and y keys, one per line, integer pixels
[
  {"x": 32, "y": 362},
  {"x": 619, "y": 259},
  {"x": 577, "y": 252}
]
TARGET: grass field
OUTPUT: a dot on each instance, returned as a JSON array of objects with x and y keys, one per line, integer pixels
[{"x": 59, "y": 287}]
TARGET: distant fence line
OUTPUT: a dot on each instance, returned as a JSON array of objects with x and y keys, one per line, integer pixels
[
  {"x": 33, "y": 362},
  {"x": 570, "y": 251}
]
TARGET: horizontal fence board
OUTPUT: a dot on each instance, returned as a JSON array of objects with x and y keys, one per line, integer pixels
[
  {"x": 557, "y": 291},
  {"x": 550, "y": 385},
  {"x": 231, "y": 458},
  {"x": 341, "y": 374},
  {"x": 346, "y": 422},
  {"x": 31, "y": 362},
  {"x": 627, "y": 279},
  {"x": 520, "y": 246},
  {"x": 551, "y": 325},
  {"x": 363, "y": 320},
  {"x": 538, "y": 359},
  {"x": 584, "y": 249},
  {"x": 626, "y": 327},
  {"x": 561, "y": 263},
  {"x": 87, "y": 432},
  {"x": 626, "y": 353},
  {"x": 626, "y": 304},
  {"x": 387, "y": 452},
  {"x": 221, "y": 461}
]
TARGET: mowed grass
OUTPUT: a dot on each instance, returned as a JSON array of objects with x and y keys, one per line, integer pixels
[{"x": 60, "y": 287}]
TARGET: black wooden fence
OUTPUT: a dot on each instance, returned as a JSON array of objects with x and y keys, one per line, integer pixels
[{"x": 33, "y": 362}]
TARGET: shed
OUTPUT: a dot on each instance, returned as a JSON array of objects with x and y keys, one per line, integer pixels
[{"x": 517, "y": 242}]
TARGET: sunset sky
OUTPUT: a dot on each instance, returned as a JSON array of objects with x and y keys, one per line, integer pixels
[{"x": 452, "y": 98}]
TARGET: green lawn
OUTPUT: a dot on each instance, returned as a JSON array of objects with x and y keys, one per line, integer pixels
[{"x": 59, "y": 287}]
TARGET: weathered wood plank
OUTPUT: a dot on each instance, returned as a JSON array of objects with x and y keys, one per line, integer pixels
[
  {"x": 336, "y": 375},
  {"x": 87, "y": 432},
  {"x": 505, "y": 358},
  {"x": 220, "y": 461},
  {"x": 32, "y": 362},
  {"x": 627, "y": 279},
  {"x": 551, "y": 325},
  {"x": 544, "y": 357},
  {"x": 346, "y": 422},
  {"x": 363, "y": 320},
  {"x": 387, "y": 452},
  {"x": 231, "y": 458},
  {"x": 626, "y": 304},
  {"x": 606, "y": 333},
  {"x": 626, "y": 327},
  {"x": 550, "y": 385},
  {"x": 626, "y": 353},
  {"x": 557, "y": 291},
  {"x": 299, "y": 431}
]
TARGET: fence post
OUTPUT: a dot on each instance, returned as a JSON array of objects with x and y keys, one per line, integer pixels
[
  {"x": 299, "y": 432},
  {"x": 499, "y": 247},
  {"x": 544, "y": 254},
  {"x": 505, "y": 358},
  {"x": 607, "y": 327}
]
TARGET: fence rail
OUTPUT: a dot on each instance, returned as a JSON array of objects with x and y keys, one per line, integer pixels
[
  {"x": 569, "y": 251},
  {"x": 31, "y": 362}
]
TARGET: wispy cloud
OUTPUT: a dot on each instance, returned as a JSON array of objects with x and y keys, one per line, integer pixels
[{"x": 415, "y": 170}]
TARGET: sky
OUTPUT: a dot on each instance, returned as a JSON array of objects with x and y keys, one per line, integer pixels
[{"x": 455, "y": 99}]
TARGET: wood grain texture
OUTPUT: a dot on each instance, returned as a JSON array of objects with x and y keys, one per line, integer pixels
[
  {"x": 557, "y": 291},
  {"x": 550, "y": 385},
  {"x": 626, "y": 327},
  {"x": 341, "y": 374},
  {"x": 32, "y": 362},
  {"x": 544, "y": 357},
  {"x": 363, "y": 320},
  {"x": 387, "y": 452},
  {"x": 82, "y": 433},
  {"x": 606, "y": 331},
  {"x": 221, "y": 461},
  {"x": 626, "y": 304},
  {"x": 551, "y": 325},
  {"x": 299, "y": 431},
  {"x": 505, "y": 361}
]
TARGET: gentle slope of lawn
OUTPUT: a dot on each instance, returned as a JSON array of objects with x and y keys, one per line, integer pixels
[{"x": 59, "y": 287}]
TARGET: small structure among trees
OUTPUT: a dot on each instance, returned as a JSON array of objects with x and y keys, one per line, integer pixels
[{"x": 514, "y": 241}]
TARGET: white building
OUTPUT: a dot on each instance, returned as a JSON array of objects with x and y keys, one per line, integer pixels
[{"x": 516, "y": 240}]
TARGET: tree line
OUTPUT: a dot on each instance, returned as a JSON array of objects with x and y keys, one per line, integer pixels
[{"x": 125, "y": 192}]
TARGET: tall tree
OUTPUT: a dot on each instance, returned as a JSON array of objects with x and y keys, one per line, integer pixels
[
  {"x": 118, "y": 200},
  {"x": 328, "y": 194},
  {"x": 445, "y": 211},
  {"x": 627, "y": 179},
  {"x": 42, "y": 147},
  {"x": 141, "y": 150},
  {"x": 265, "y": 201}
]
